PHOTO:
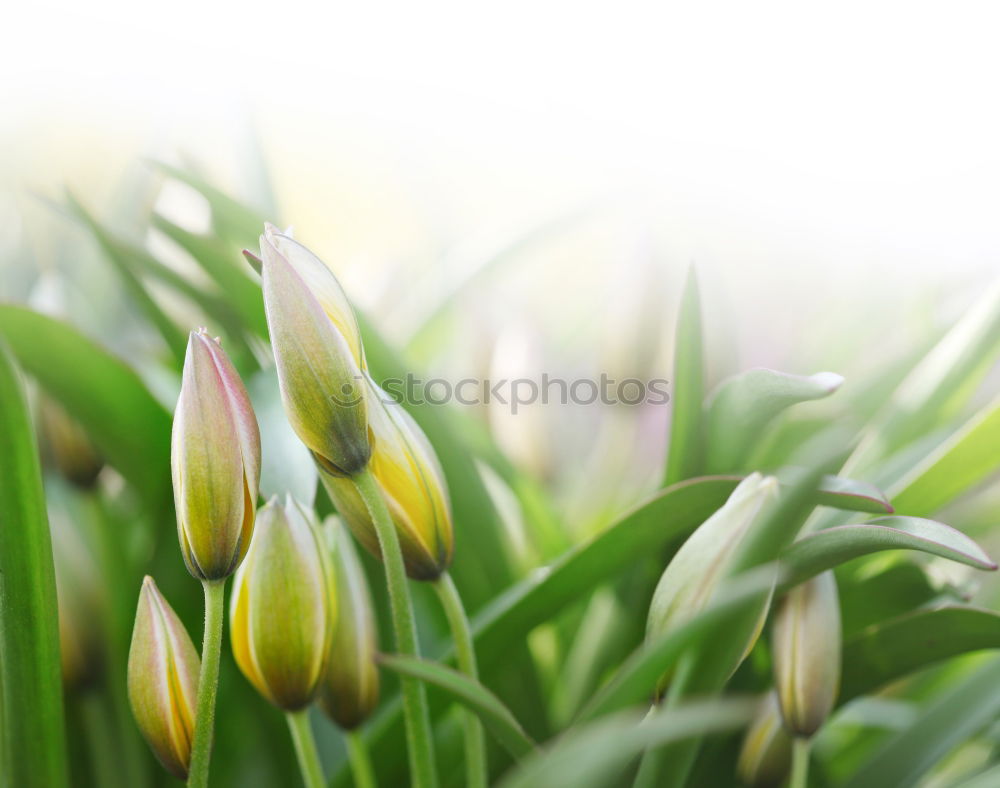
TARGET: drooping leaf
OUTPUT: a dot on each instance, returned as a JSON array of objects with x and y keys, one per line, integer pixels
[
  {"x": 595, "y": 754},
  {"x": 955, "y": 714},
  {"x": 123, "y": 419},
  {"x": 832, "y": 546},
  {"x": 686, "y": 424},
  {"x": 32, "y": 743},
  {"x": 892, "y": 649},
  {"x": 968, "y": 457},
  {"x": 742, "y": 407},
  {"x": 496, "y": 717}
]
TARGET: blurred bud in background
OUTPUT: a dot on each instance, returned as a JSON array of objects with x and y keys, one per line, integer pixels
[
  {"x": 80, "y": 593},
  {"x": 163, "y": 669},
  {"x": 349, "y": 692},
  {"x": 806, "y": 648},
  {"x": 318, "y": 352},
  {"x": 766, "y": 754},
  {"x": 407, "y": 472},
  {"x": 66, "y": 443},
  {"x": 282, "y": 612},
  {"x": 215, "y": 459}
]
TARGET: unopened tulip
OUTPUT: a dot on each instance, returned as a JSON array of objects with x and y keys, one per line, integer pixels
[
  {"x": 702, "y": 562},
  {"x": 806, "y": 648},
  {"x": 350, "y": 690},
  {"x": 282, "y": 612},
  {"x": 215, "y": 459},
  {"x": 318, "y": 353},
  {"x": 766, "y": 755},
  {"x": 412, "y": 483},
  {"x": 163, "y": 669}
]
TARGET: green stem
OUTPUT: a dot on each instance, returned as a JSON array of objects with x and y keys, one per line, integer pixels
[
  {"x": 98, "y": 727},
  {"x": 800, "y": 763},
  {"x": 208, "y": 683},
  {"x": 305, "y": 748},
  {"x": 418, "y": 726},
  {"x": 361, "y": 765},
  {"x": 475, "y": 743}
]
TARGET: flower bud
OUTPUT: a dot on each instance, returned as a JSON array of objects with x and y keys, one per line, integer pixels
[
  {"x": 766, "y": 755},
  {"x": 807, "y": 654},
  {"x": 407, "y": 472},
  {"x": 67, "y": 443},
  {"x": 163, "y": 669},
  {"x": 349, "y": 692},
  {"x": 215, "y": 459},
  {"x": 281, "y": 612},
  {"x": 318, "y": 353},
  {"x": 703, "y": 561}
]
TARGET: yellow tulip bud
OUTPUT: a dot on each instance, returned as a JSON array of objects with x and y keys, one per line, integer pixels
[
  {"x": 281, "y": 611},
  {"x": 702, "y": 562},
  {"x": 412, "y": 483},
  {"x": 806, "y": 647},
  {"x": 67, "y": 443},
  {"x": 349, "y": 692},
  {"x": 766, "y": 755},
  {"x": 163, "y": 669},
  {"x": 215, "y": 459},
  {"x": 318, "y": 353}
]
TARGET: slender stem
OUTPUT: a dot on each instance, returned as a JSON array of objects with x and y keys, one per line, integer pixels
[
  {"x": 208, "y": 683},
  {"x": 800, "y": 763},
  {"x": 475, "y": 743},
  {"x": 361, "y": 765},
  {"x": 305, "y": 748},
  {"x": 418, "y": 726}
]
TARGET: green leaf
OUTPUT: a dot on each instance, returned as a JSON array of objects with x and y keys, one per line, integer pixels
[
  {"x": 226, "y": 267},
  {"x": 832, "y": 546},
  {"x": 686, "y": 440},
  {"x": 942, "y": 381},
  {"x": 637, "y": 678},
  {"x": 892, "y": 649},
  {"x": 496, "y": 717},
  {"x": 956, "y": 714},
  {"x": 851, "y": 494},
  {"x": 964, "y": 460},
  {"x": 743, "y": 406},
  {"x": 32, "y": 745},
  {"x": 126, "y": 423},
  {"x": 595, "y": 754}
]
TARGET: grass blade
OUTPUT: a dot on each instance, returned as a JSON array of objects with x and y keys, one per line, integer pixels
[
  {"x": 497, "y": 718},
  {"x": 684, "y": 451},
  {"x": 33, "y": 751}
]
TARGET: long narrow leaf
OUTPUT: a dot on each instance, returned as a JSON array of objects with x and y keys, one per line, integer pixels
[
  {"x": 497, "y": 718},
  {"x": 685, "y": 448},
  {"x": 33, "y": 751}
]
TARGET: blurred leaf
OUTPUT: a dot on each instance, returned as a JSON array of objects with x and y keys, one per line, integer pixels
[
  {"x": 744, "y": 405},
  {"x": 957, "y": 713},
  {"x": 964, "y": 460},
  {"x": 848, "y": 494},
  {"x": 832, "y": 546},
  {"x": 125, "y": 263},
  {"x": 946, "y": 376},
  {"x": 868, "y": 598},
  {"x": 128, "y": 426},
  {"x": 596, "y": 754},
  {"x": 32, "y": 741},
  {"x": 685, "y": 448},
  {"x": 231, "y": 219},
  {"x": 226, "y": 268},
  {"x": 488, "y": 707},
  {"x": 892, "y": 649},
  {"x": 286, "y": 464}
]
